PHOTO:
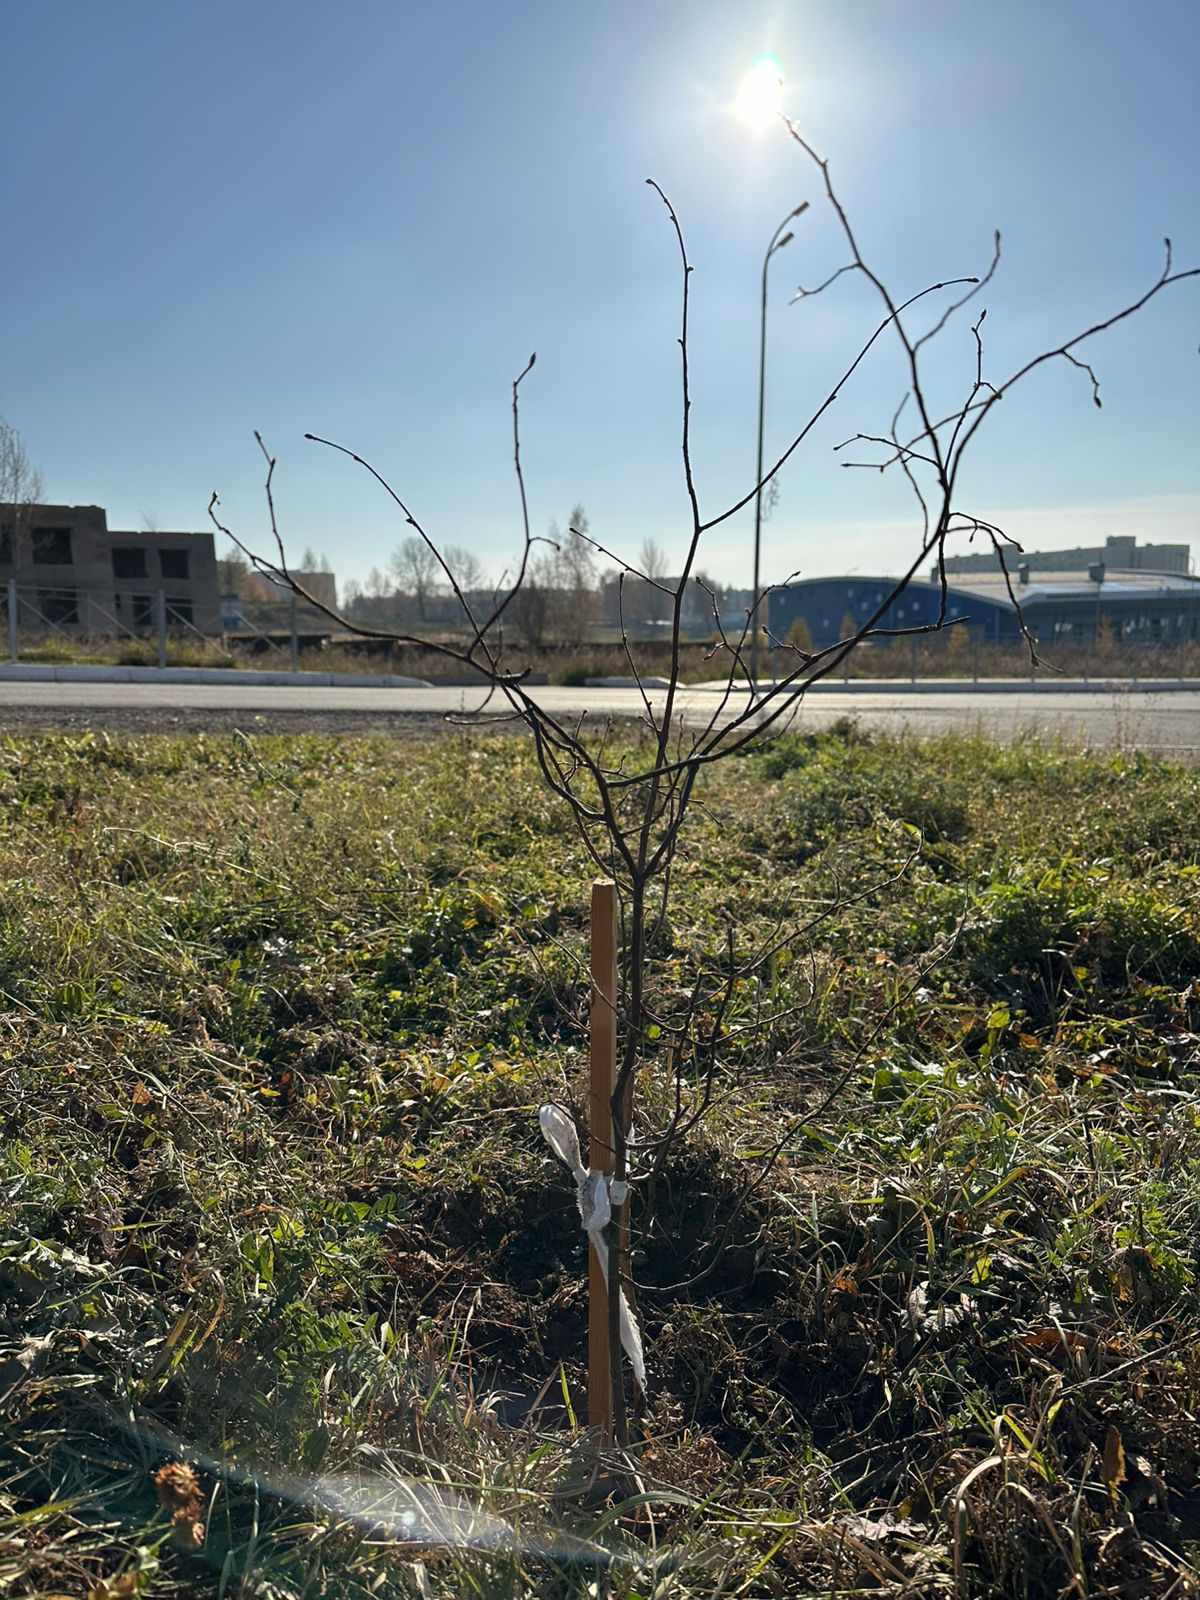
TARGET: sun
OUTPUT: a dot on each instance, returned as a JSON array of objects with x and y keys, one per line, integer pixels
[{"x": 760, "y": 94}]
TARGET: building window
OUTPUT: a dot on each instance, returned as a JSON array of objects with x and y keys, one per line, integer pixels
[
  {"x": 143, "y": 610},
  {"x": 128, "y": 563},
  {"x": 59, "y": 607},
  {"x": 175, "y": 564},
  {"x": 52, "y": 547},
  {"x": 6, "y": 545},
  {"x": 179, "y": 611}
]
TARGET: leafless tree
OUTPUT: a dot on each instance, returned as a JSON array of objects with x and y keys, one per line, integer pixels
[
  {"x": 533, "y": 601},
  {"x": 416, "y": 567},
  {"x": 630, "y": 804},
  {"x": 472, "y": 575},
  {"x": 20, "y": 491},
  {"x": 373, "y": 602},
  {"x": 576, "y": 578},
  {"x": 652, "y": 560},
  {"x": 558, "y": 598},
  {"x": 232, "y": 571}
]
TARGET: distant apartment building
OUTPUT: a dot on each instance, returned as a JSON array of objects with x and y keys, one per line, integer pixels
[
  {"x": 1120, "y": 552},
  {"x": 75, "y": 573}
]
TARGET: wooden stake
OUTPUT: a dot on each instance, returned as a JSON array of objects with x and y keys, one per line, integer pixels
[{"x": 600, "y": 1153}]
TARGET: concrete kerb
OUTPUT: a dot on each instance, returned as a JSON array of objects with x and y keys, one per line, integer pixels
[
  {"x": 42, "y": 672},
  {"x": 87, "y": 674},
  {"x": 1047, "y": 685},
  {"x": 34, "y": 673},
  {"x": 17, "y": 672},
  {"x": 633, "y": 683}
]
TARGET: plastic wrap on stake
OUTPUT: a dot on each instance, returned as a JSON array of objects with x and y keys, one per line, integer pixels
[{"x": 595, "y": 1212}]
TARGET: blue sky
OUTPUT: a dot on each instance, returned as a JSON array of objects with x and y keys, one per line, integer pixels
[{"x": 359, "y": 218}]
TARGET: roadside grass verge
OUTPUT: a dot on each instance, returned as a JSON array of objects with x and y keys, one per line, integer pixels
[{"x": 919, "y": 1292}]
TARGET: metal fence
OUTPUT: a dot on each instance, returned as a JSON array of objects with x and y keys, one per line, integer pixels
[
  {"x": 33, "y": 616},
  {"x": 44, "y": 623}
]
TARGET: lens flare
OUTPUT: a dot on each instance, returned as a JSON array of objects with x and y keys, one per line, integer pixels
[{"x": 760, "y": 95}]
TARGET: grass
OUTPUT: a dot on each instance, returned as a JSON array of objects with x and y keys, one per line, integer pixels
[
  {"x": 275, "y": 1018},
  {"x": 950, "y": 657},
  {"x": 183, "y": 650}
]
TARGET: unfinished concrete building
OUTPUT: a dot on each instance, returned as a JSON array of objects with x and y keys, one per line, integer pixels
[{"x": 74, "y": 573}]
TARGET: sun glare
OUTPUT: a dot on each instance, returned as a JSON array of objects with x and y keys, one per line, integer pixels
[{"x": 760, "y": 96}]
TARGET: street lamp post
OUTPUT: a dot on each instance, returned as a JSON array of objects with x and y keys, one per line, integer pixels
[{"x": 777, "y": 243}]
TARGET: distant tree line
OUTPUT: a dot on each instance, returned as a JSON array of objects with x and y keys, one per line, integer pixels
[{"x": 567, "y": 590}]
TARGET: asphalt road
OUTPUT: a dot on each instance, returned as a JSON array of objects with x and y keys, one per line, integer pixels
[{"x": 1162, "y": 721}]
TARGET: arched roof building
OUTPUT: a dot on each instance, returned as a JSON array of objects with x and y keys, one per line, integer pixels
[
  {"x": 1139, "y": 606},
  {"x": 828, "y": 606}
]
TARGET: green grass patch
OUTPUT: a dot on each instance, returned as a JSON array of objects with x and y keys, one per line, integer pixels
[{"x": 919, "y": 1287}]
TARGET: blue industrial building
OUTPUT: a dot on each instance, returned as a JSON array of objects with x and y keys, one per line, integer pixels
[
  {"x": 1137, "y": 605},
  {"x": 828, "y": 605}
]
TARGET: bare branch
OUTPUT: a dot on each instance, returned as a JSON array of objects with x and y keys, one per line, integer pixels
[
  {"x": 833, "y": 396},
  {"x": 807, "y": 294},
  {"x": 629, "y": 807}
]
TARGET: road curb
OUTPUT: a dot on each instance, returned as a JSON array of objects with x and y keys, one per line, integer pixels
[
  {"x": 634, "y": 683},
  {"x": 37, "y": 672},
  {"x": 42, "y": 672},
  {"x": 969, "y": 686}
]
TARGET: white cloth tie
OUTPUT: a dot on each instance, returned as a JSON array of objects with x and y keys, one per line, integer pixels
[{"x": 594, "y": 1195}]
